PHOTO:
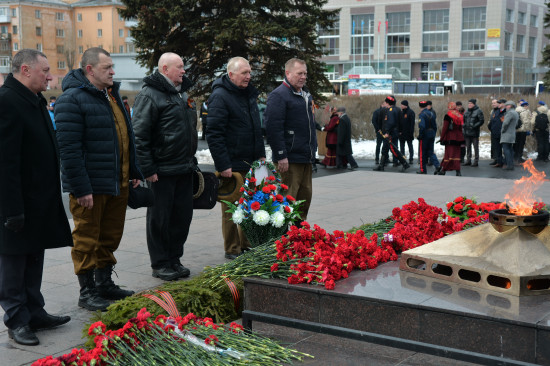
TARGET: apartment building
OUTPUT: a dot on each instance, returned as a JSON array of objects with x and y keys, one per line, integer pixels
[
  {"x": 486, "y": 44},
  {"x": 63, "y": 30}
]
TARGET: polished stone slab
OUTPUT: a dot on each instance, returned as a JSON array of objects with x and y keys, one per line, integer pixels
[{"x": 401, "y": 304}]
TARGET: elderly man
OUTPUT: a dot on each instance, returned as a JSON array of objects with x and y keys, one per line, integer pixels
[
  {"x": 98, "y": 159},
  {"x": 508, "y": 134},
  {"x": 31, "y": 211},
  {"x": 291, "y": 133},
  {"x": 166, "y": 141},
  {"x": 473, "y": 120},
  {"x": 234, "y": 136}
]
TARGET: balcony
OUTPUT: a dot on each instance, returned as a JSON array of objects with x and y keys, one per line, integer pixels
[
  {"x": 5, "y": 19},
  {"x": 5, "y": 69},
  {"x": 130, "y": 23}
]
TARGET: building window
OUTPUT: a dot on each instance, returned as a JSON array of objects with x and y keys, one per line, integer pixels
[
  {"x": 5, "y": 61},
  {"x": 121, "y": 32},
  {"x": 120, "y": 49},
  {"x": 60, "y": 33},
  {"x": 4, "y": 46},
  {"x": 329, "y": 38},
  {"x": 14, "y": 29},
  {"x": 510, "y": 15},
  {"x": 521, "y": 17},
  {"x": 362, "y": 34},
  {"x": 100, "y": 32},
  {"x": 435, "y": 37},
  {"x": 59, "y": 16},
  {"x": 129, "y": 33},
  {"x": 37, "y": 14},
  {"x": 100, "y": 45},
  {"x": 534, "y": 20},
  {"x": 60, "y": 49},
  {"x": 39, "y": 47},
  {"x": 473, "y": 29},
  {"x": 130, "y": 48},
  {"x": 16, "y": 46},
  {"x": 61, "y": 64},
  {"x": 38, "y": 31},
  {"x": 79, "y": 33},
  {"x": 399, "y": 36},
  {"x": 79, "y": 17},
  {"x": 507, "y": 41},
  {"x": 532, "y": 48},
  {"x": 120, "y": 18},
  {"x": 80, "y": 50},
  {"x": 4, "y": 29},
  {"x": 13, "y": 12},
  {"x": 520, "y": 43},
  {"x": 99, "y": 16}
]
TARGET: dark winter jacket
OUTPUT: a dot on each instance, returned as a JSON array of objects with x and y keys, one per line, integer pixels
[
  {"x": 290, "y": 125},
  {"x": 406, "y": 128},
  {"x": 495, "y": 123},
  {"x": 344, "y": 136},
  {"x": 377, "y": 120},
  {"x": 29, "y": 162},
  {"x": 234, "y": 133},
  {"x": 392, "y": 120},
  {"x": 473, "y": 120},
  {"x": 427, "y": 127},
  {"x": 87, "y": 137},
  {"x": 166, "y": 138}
]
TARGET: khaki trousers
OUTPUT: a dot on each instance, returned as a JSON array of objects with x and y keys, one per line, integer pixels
[
  {"x": 97, "y": 231},
  {"x": 298, "y": 179},
  {"x": 234, "y": 240}
]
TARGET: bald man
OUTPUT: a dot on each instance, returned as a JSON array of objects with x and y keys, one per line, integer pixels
[{"x": 166, "y": 141}]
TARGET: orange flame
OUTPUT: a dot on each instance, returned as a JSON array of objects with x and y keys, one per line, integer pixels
[{"x": 521, "y": 197}]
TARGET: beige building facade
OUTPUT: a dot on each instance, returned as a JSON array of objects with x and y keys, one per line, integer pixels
[
  {"x": 486, "y": 44},
  {"x": 63, "y": 30}
]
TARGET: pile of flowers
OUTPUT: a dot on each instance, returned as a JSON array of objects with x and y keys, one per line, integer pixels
[
  {"x": 263, "y": 211},
  {"x": 187, "y": 340}
]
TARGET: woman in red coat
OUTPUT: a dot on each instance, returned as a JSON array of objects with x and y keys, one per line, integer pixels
[
  {"x": 452, "y": 137},
  {"x": 332, "y": 139}
]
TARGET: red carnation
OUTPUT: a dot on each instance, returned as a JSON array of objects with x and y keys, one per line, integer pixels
[
  {"x": 287, "y": 209},
  {"x": 459, "y": 199},
  {"x": 255, "y": 205},
  {"x": 279, "y": 198},
  {"x": 449, "y": 205},
  {"x": 266, "y": 189},
  {"x": 284, "y": 186},
  {"x": 275, "y": 267},
  {"x": 271, "y": 178},
  {"x": 241, "y": 189},
  {"x": 458, "y": 208},
  {"x": 253, "y": 180},
  {"x": 241, "y": 200},
  {"x": 290, "y": 198}
]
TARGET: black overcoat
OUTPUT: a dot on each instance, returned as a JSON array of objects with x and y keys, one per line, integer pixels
[
  {"x": 344, "y": 136},
  {"x": 29, "y": 173}
]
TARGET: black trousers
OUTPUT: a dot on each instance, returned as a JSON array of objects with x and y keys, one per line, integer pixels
[
  {"x": 519, "y": 145},
  {"x": 409, "y": 146},
  {"x": 379, "y": 141},
  {"x": 425, "y": 151},
  {"x": 169, "y": 219},
  {"x": 543, "y": 146},
  {"x": 20, "y": 281},
  {"x": 349, "y": 158},
  {"x": 496, "y": 149},
  {"x": 388, "y": 146}
]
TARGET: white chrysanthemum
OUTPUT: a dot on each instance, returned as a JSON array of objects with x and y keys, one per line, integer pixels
[
  {"x": 238, "y": 216},
  {"x": 277, "y": 219},
  {"x": 261, "y": 217}
]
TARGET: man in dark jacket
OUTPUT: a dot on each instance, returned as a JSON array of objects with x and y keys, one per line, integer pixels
[
  {"x": 390, "y": 132},
  {"x": 291, "y": 133},
  {"x": 495, "y": 126},
  {"x": 406, "y": 130},
  {"x": 427, "y": 129},
  {"x": 473, "y": 120},
  {"x": 343, "y": 147},
  {"x": 377, "y": 118},
  {"x": 31, "y": 211},
  {"x": 166, "y": 142},
  {"x": 98, "y": 160},
  {"x": 234, "y": 137}
]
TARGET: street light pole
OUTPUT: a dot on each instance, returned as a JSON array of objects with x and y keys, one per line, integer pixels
[{"x": 513, "y": 59}]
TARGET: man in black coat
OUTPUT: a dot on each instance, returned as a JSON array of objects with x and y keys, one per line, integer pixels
[
  {"x": 406, "y": 130},
  {"x": 343, "y": 147},
  {"x": 234, "y": 137},
  {"x": 166, "y": 142},
  {"x": 473, "y": 120},
  {"x": 31, "y": 210}
]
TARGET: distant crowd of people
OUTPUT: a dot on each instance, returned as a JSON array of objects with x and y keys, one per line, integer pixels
[{"x": 509, "y": 124}]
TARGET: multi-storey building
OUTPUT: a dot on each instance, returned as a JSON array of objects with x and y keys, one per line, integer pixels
[
  {"x": 486, "y": 44},
  {"x": 63, "y": 30}
]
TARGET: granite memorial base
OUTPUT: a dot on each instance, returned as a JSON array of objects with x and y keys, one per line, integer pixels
[{"x": 406, "y": 310}]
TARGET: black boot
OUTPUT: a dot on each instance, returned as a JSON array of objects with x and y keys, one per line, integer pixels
[
  {"x": 380, "y": 167},
  {"x": 89, "y": 298},
  {"x": 106, "y": 287},
  {"x": 405, "y": 166}
]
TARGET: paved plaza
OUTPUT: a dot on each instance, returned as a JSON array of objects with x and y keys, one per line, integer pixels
[{"x": 341, "y": 200}]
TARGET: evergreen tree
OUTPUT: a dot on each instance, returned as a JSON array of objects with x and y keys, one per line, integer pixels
[{"x": 207, "y": 33}]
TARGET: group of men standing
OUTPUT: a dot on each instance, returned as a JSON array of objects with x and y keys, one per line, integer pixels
[{"x": 103, "y": 153}]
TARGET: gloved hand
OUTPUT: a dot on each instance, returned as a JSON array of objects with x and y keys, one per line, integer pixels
[
  {"x": 15, "y": 223},
  {"x": 528, "y": 133}
]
